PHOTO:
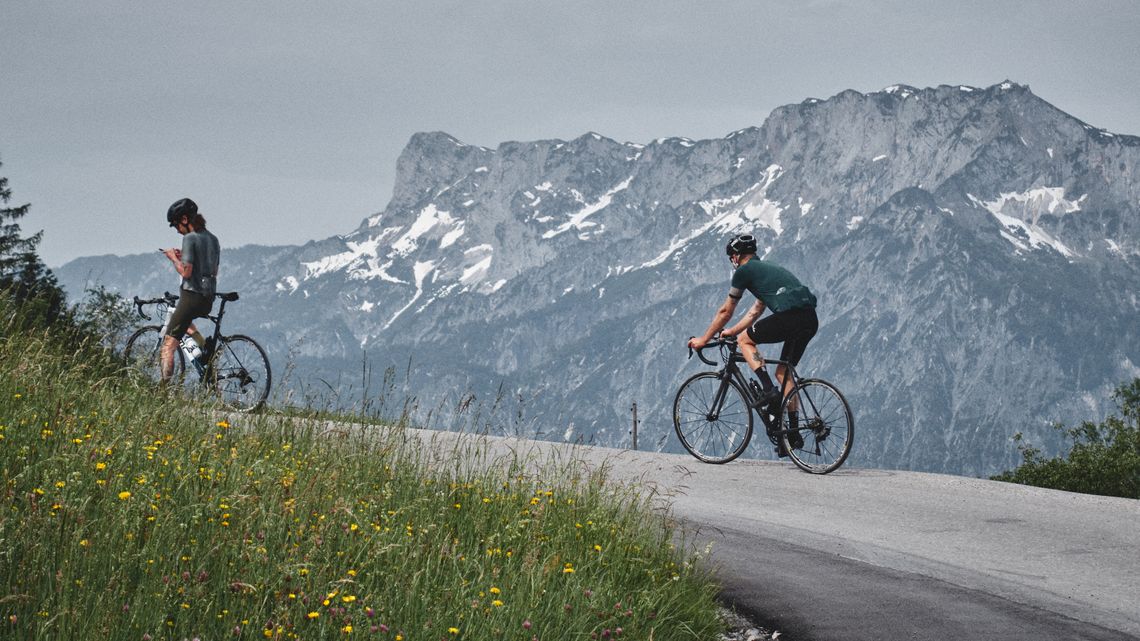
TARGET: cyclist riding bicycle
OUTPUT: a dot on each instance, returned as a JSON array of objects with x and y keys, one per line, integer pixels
[
  {"x": 793, "y": 320},
  {"x": 197, "y": 264}
]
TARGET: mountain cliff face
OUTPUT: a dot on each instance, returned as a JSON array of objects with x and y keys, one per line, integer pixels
[{"x": 976, "y": 254}]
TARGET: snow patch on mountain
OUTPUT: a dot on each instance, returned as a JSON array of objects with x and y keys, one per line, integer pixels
[
  {"x": 288, "y": 284},
  {"x": 421, "y": 271},
  {"x": 1028, "y": 206},
  {"x": 578, "y": 219},
  {"x": 429, "y": 218},
  {"x": 728, "y": 215},
  {"x": 1018, "y": 214}
]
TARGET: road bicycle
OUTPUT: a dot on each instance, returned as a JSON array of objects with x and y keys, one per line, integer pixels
[
  {"x": 713, "y": 414},
  {"x": 232, "y": 368}
]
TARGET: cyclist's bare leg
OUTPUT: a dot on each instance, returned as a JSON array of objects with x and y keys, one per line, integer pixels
[
  {"x": 166, "y": 357},
  {"x": 749, "y": 351},
  {"x": 786, "y": 383}
]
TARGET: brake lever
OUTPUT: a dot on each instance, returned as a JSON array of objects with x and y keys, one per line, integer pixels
[{"x": 138, "y": 307}]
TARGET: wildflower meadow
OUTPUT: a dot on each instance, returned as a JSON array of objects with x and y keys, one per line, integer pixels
[{"x": 131, "y": 514}]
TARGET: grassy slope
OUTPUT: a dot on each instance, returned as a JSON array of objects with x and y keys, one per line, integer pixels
[{"x": 128, "y": 515}]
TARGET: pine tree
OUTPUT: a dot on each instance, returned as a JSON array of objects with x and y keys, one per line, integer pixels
[
  {"x": 14, "y": 250},
  {"x": 23, "y": 276}
]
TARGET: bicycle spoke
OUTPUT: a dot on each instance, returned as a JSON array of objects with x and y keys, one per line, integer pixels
[
  {"x": 240, "y": 374},
  {"x": 824, "y": 425},
  {"x": 712, "y": 434}
]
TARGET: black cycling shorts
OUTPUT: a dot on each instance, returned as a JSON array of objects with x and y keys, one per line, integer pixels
[
  {"x": 190, "y": 305},
  {"x": 794, "y": 328}
]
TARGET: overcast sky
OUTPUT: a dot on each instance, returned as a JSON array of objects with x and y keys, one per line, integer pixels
[{"x": 284, "y": 119}]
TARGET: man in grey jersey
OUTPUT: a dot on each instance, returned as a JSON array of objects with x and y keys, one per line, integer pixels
[{"x": 197, "y": 264}]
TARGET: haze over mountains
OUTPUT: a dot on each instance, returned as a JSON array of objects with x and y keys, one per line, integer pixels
[{"x": 976, "y": 254}]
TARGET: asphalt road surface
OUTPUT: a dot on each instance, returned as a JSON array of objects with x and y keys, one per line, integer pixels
[{"x": 872, "y": 554}]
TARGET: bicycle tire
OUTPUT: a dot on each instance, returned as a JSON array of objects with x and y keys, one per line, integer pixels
[
  {"x": 142, "y": 354},
  {"x": 239, "y": 373},
  {"x": 826, "y": 427},
  {"x": 712, "y": 435}
]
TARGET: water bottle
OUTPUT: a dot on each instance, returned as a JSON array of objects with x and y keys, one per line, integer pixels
[
  {"x": 757, "y": 392},
  {"x": 190, "y": 346}
]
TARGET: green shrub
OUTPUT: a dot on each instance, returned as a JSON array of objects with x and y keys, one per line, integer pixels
[{"x": 1104, "y": 458}]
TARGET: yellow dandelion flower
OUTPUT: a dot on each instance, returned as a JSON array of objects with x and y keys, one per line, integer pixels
[
  {"x": 99, "y": 467},
  {"x": 568, "y": 569},
  {"x": 348, "y": 598},
  {"x": 124, "y": 496},
  {"x": 84, "y": 543},
  {"x": 451, "y": 630},
  {"x": 495, "y": 590},
  {"x": 597, "y": 548},
  {"x": 313, "y": 615},
  {"x": 346, "y": 629},
  {"x": 222, "y": 424},
  {"x": 497, "y": 603},
  {"x": 60, "y": 484}
]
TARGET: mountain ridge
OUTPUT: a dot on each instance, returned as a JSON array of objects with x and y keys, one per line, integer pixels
[{"x": 925, "y": 219}]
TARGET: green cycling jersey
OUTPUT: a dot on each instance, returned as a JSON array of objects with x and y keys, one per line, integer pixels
[{"x": 772, "y": 285}]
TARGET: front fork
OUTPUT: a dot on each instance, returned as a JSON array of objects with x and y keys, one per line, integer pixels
[{"x": 718, "y": 400}]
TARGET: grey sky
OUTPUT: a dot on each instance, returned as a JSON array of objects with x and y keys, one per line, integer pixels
[{"x": 284, "y": 119}]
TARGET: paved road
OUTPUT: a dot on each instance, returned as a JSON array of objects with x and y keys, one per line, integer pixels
[{"x": 872, "y": 554}]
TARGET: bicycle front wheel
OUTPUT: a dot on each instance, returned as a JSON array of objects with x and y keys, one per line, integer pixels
[
  {"x": 143, "y": 354},
  {"x": 239, "y": 373},
  {"x": 712, "y": 418},
  {"x": 821, "y": 437}
]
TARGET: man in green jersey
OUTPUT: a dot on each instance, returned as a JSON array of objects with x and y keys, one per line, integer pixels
[{"x": 793, "y": 319}]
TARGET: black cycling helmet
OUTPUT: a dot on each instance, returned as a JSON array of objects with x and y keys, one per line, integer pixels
[
  {"x": 741, "y": 244},
  {"x": 183, "y": 207}
]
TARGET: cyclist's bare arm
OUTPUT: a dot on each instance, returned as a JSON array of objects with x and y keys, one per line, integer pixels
[
  {"x": 175, "y": 255},
  {"x": 753, "y": 313},
  {"x": 720, "y": 319}
]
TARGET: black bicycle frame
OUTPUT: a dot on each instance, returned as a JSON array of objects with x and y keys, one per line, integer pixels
[
  {"x": 732, "y": 371},
  {"x": 211, "y": 342}
]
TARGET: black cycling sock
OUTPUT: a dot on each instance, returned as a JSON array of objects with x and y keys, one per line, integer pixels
[{"x": 765, "y": 380}]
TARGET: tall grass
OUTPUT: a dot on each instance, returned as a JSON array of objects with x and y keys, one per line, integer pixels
[{"x": 128, "y": 514}]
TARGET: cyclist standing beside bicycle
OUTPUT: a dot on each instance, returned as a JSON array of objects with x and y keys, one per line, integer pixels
[
  {"x": 197, "y": 264},
  {"x": 793, "y": 320}
]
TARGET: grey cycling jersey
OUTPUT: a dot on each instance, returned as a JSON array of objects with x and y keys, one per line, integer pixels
[{"x": 201, "y": 250}]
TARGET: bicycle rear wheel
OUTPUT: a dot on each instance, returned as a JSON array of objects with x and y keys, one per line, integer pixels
[
  {"x": 822, "y": 437},
  {"x": 712, "y": 418},
  {"x": 239, "y": 373},
  {"x": 143, "y": 353}
]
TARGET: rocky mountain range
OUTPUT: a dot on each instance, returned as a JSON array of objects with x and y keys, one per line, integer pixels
[{"x": 975, "y": 251}]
